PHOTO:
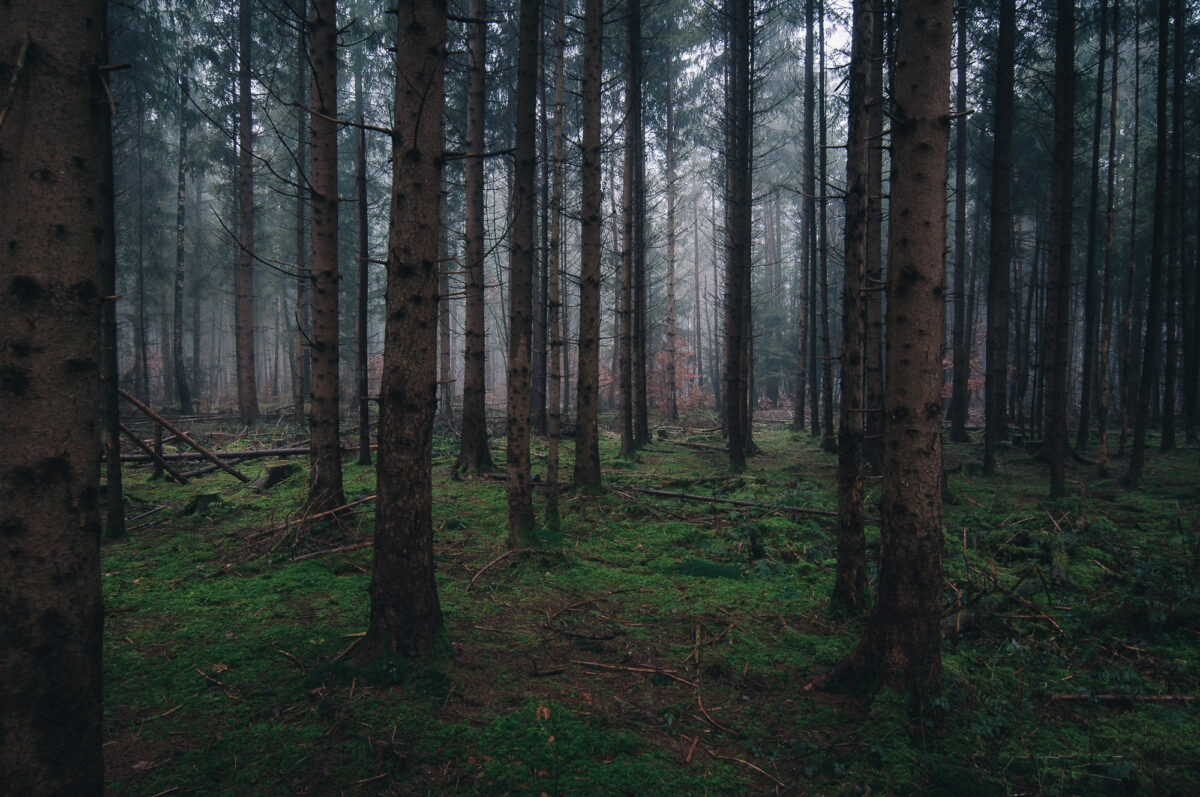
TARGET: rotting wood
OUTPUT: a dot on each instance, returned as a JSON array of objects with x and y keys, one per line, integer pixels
[
  {"x": 210, "y": 456},
  {"x": 175, "y": 475}
]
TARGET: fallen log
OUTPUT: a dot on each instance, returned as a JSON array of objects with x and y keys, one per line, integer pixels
[
  {"x": 210, "y": 456},
  {"x": 794, "y": 510},
  {"x": 150, "y": 456},
  {"x": 249, "y": 453}
]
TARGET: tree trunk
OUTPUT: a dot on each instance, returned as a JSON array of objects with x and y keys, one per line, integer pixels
[
  {"x": 247, "y": 389},
  {"x": 1125, "y": 338},
  {"x": 641, "y": 423},
  {"x": 995, "y": 387},
  {"x": 553, "y": 258},
  {"x": 810, "y": 215},
  {"x": 629, "y": 228},
  {"x": 1154, "y": 320},
  {"x": 901, "y": 644},
  {"x": 737, "y": 226},
  {"x": 406, "y": 618},
  {"x": 183, "y": 394},
  {"x": 587, "y": 393},
  {"x": 141, "y": 355},
  {"x": 1110, "y": 223},
  {"x": 362, "y": 281},
  {"x": 873, "y": 297},
  {"x": 520, "y": 308},
  {"x": 961, "y": 353},
  {"x": 1174, "y": 238},
  {"x": 828, "y": 441},
  {"x": 1056, "y": 338},
  {"x": 55, "y": 195},
  {"x": 474, "y": 456},
  {"x": 325, "y": 463},
  {"x": 672, "y": 407},
  {"x": 302, "y": 373},
  {"x": 850, "y": 581},
  {"x": 446, "y": 378}
]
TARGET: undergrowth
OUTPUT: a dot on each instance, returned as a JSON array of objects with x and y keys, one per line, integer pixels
[{"x": 656, "y": 645}]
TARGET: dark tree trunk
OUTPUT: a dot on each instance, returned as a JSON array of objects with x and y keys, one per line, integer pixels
[
  {"x": 1000, "y": 246},
  {"x": 961, "y": 353},
  {"x": 362, "y": 285},
  {"x": 553, "y": 258},
  {"x": 1091, "y": 303},
  {"x": 520, "y": 308},
  {"x": 737, "y": 227},
  {"x": 901, "y": 644},
  {"x": 406, "y": 618},
  {"x": 446, "y": 378},
  {"x": 325, "y": 462},
  {"x": 1154, "y": 318},
  {"x": 114, "y": 523},
  {"x": 641, "y": 424},
  {"x": 56, "y": 234},
  {"x": 1110, "y": 223},
  {"x": 1174, "y": 238},
  {"x": 183, "y": 394},
  {"x": 247, "y": 387},
  {"x": 873, "y": 297},
  {"x": 828, "y": 441},
  {"x": 587, "y": 394},
  {"x": 1056, "y": 335},
  {"x": 141, "y": 354},
  {"x": 302, "y": 371},
  {"x": 850, "y": 581},
  {"x": 474, "y": 456},
  {"x": 810, "y": 215},
  {"x": 672, "y": 408},
  {"x": 1125, "y": 338}
]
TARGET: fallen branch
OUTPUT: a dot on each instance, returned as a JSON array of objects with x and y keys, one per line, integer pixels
[
  {"x": 499, "y": 558},
  {"x": 249, "y": 453},
  {"x": 340, "y": 549},
  {"x": 210, "y": 456},
  {"x": 151, "y": 456},
  {"x": 757, "y": 769},
  {"x": 795, "y": 510},
  {"x": 649, "y": 668},
  {"x": 1086, "y": 698}
]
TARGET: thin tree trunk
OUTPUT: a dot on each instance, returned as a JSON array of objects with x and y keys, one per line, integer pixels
[
  {"x": 520, "y": 308},
  {"x": 446, "y": 378},
  {"x": 405, "y": 616},
  {"x": 961, "y": 354},
  {"x": 325, "y": 462},
  {"x": 183, "y": 394},
  {"x": 587, "y": 394},
  {"x": 244, "y": 291},
  {"x": 1125, "y": 339},
  {"x": 553, "y": 257},
  {"x": 362, "y": 282},
  {"x": 850, "y": 580},
  {"x": 1000, "y": 246},
  {"x": 641, "y": 423},
  {"x": 873, "y": 297},
  {"x": 141, "y": 355},
  {"x": 828, "y": 441},
  {"x": 810, "y": 214},
  {"x": 1110, "y": 223},
  {"x": 629, "y": 229},
  {"x": 1149, "y": 378},
  {"x": 1056, "y": 337},
  {"x": 672, "y": 407},
  {"x": 302, "y": 373},
  {"x": 1174, "y": 238},
  {"x": 474, "y": 455}
]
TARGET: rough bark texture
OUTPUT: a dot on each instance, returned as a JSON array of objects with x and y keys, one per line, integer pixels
[
  {"x": 672, "y": 407},
  {"x": 1102, "y": 396},
  {"x": 553, "y": 258},
  {"x": 183, "y": 393},
  {"x": 302, "y": 368},
  {"x": 828, "y": 441},
  {"x": 587, "y": 394},
  {"x": 406, "y": 617},
  {"x": 325, "y": 463},
  {"x": 1000, "y": 243},
  {"x": 873, "y": 298},
  {"x": 247, "y": 387},
  {"x": 641, "y": 423},
  {"x": 810, "y": 219},
  {"x": 474, "y": 456},
  {"x": 520, "y": 307},
  {"x": 737, "y": 226},
  {"x": 901, "y": 644},
  {"x": 1056, "y": 335},
  {"x": 52, "y": 210},
  {"x": 1154, "y": 316},
  {"x": 850, "y": 582},
  {"x": 1174, "y": 238},
  {"x": 629, "y": 187},
  {"x": 362, "y": 286}
]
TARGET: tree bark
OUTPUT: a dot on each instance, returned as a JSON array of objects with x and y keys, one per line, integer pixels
[
  {"x": 520, "y": 308},
  {"x": 810, "y": 216},
  {"x": 901, "y": 645},
  {"x": 183, "y": 394},
  {"x": 1056, "y": 336},
  {"x": 247, "y": 387},
  {"x": 828, "y": 441},
  {"x": 474, "y": 455},
  {"x": 54, "y": 198},
  {"x": 325, "y": 462},
  {"x": 553, "y": 258},
  {"x": 1174, "y": 238},
  {"x": 362, "y": 282},
  {"x": 995, "y": 387},
  {"x": 641, "y": 423},
  {"x": 1110, "y": 223},
  {"x": 302, "y": 371},
  {"x": 587, "y": 393},
  {"x": 873, "y": 297},
  {"x": 672, "y": 408},
  {"x": 850, "y": 580},
  {"x": 1154, "y": 316},
  {"x": 405, "y": 617}
]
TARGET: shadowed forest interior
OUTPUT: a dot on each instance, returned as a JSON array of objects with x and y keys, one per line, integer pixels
[{"x": 600, "y": 397}]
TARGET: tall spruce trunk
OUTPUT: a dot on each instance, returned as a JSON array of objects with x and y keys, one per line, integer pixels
[
  {"x": 961, "y": 352},
  {"x": 1125, "y": 338},
  {"x": 901, "y": 644},
  {"x": 873, "y": 297},
  {"x": 828, "y": 441},
  {"x": 629, "y": 231},
  {"x": 302, "y": 371},
  {"x": 474, "y": 455},
  {"x": 641, "y": 423},
  {"x": 995, "y": 430},
  {"x": 1154, "y": 315},
  {"x": 1102, "y": 396},
  {"x": 553, "y": 277},
  {"x": 247, "y": 385},
  {"x": 183, "y": 393},
  {"x": 672, "y": 401},
  {"x": 1174, "y": 238},
  {"x": 406, "y": 617},
  {"x": 361, "y": 283},
  {"x": 325, "y": 459},
  {"x": 810, "y": 216},
  {"x": 520, "y": 308},
  {"x": 54, "y": 199},
  {"x": 850, "y": 580},
  {"x": 1056, "y": 335},
  {"x": 587, "y": 393}
]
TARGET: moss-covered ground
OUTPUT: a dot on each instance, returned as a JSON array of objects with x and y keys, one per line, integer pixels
[{"x": 656, "y": 646}]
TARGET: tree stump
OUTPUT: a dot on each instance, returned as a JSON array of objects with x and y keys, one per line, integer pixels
[{"x": 273, "y": 474}]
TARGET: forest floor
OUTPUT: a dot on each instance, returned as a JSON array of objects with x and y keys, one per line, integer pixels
[{"x": 655, "y": 645}]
